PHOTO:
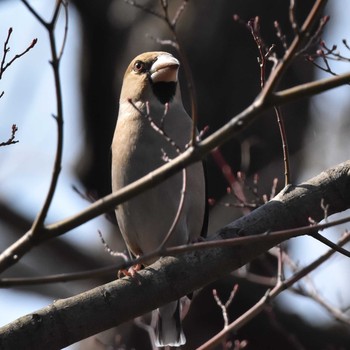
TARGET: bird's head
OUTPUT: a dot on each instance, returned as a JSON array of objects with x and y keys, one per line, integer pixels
[{"x": 151, "y": 75}]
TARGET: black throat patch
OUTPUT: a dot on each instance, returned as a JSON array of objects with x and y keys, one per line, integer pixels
[{"x": 164, "y": 91}]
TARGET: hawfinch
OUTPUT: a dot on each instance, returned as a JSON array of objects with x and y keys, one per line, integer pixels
[{"x": 150, "y": 88}]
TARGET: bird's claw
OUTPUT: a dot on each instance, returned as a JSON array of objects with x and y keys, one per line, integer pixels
[{"x": 130, "y": 272}]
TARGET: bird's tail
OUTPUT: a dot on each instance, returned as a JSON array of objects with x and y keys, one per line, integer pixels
[{"x": 168, "y": 329}]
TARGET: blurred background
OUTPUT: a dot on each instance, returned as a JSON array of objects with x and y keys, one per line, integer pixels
[{"x": 103, "y": 37}]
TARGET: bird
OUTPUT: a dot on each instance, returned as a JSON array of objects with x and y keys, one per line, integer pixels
[{"x": 150, "y": 96}]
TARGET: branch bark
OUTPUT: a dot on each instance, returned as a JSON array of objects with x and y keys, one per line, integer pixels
[
  {"x": 69, "y": 320},
  {"x": 193, "y": 154}
]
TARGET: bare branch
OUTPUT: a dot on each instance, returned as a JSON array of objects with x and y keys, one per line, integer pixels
[
  {"x": 109, "y": 305},
  {"x": 297, "y": 44},
  {"x": 315, "y": 38},
  {"x": 308, "y": 289},
  {"x": 193, "y": 154},
  {"x": 275, "y": 213},
  {"x": 266, "y": 54},
  {"x": 55, "y": 62},
  {"x": 310, "y": 89},
  {"x": 270, "y": 294},
  {"x": 292, "y": 19},
  {"x": 179, "y": 12},
  {"x": 110, "y": 251},
  {"x": 145, "y": 9},
  {"x": 11, "y": 255},
  {"x": 280, "y": 35},
  {"x": 227, "y": 304},
  {"x": 3, "y": 64},
  {"x": 64, "y": 41},
  {"x": 346, "y": 44},
  {"x": 282, "y": 129},
  {"x": 11, "y": 140}
]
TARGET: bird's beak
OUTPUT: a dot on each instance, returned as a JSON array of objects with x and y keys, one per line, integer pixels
[{"x": 165, "y": 69}]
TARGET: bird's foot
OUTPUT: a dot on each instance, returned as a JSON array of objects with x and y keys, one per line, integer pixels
[{"x": 130, "y": 272}]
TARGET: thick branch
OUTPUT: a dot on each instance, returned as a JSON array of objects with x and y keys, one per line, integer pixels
[
  {"x": 69, "y": 320},
  {"x": 11, "y": 255}
]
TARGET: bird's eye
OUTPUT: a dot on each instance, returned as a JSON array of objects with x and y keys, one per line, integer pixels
[{"x": 139, "y": 66}]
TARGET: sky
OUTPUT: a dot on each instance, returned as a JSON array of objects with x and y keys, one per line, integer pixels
[{"x": 29, "y": 101}]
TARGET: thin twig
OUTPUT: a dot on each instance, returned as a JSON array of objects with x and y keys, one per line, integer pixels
[
  {"x": 280, "y": 270},
  {"x": 4, "y": 65},
  {"x": 11, "y": 140},
  {"x": 286, "y": 161},
  {"x": 311, "y": 292},
  {"x": 58, "y": 278},
  {"x": 249, "y": 206},
  {"x": 232, "y": 242},
  {"x": 144, "y": 8},
  {"x": 265, "y": 100},
  {"x": 189, "y": 79},
  {"x": 6, "y": 50},
  {"x": 65, "y": 35},
  {"x": 332, "y": 54},
  {"x": 280, "y": 35},
  {"x": 31, "y": 45},
  {"x": 178, "y": 212},
  {"x": 315, "y": 38},
  {"x": 299, "y": 40},
  {"x": 110, "y": 251},
  {"x": 346, "y": 44},
  {"x": 164, "y": 42},
  {"x": 227, "y": 172},
  {"x": 179, "y": 12},
  {"x": 35, "y": 14},
  {"x": 227, "y": 304},
  {"x": 254, "y": 26},
  {"x": 325, "y": 54},
  {"x": 270, "y": 295},
  {"x": 292, "y": 18},
  {"x": 13, "y": 253},
  {"x": 55, "y": 62}
]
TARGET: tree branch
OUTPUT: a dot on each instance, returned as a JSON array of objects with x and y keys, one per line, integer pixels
[
  {"x": 39, "y": 233},
  {"x": 172, "y": 277},
  {"x": 193, "y": 154},
  {"x": 270, "y": 295},
  {"x": 309, "y": 89}
]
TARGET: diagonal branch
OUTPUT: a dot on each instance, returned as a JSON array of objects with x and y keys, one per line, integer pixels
[
  {"x": 299, "y": 40},
  {"x": 109, "y": 305},
  {"x": 281, "y": 235},
  {"x": 13, "y": 253},
  {"x": 265, "y": 100},
  {"x": 270, "y": 294}
]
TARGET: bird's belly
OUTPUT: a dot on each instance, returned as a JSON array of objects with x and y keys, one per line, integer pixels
[{"x": 146, "y": 219}]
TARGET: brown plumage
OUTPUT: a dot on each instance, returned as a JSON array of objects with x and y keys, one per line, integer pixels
[{"x": 138, "y": 149}]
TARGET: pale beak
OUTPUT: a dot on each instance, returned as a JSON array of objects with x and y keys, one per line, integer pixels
[{"x": 165, "y": 69}]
